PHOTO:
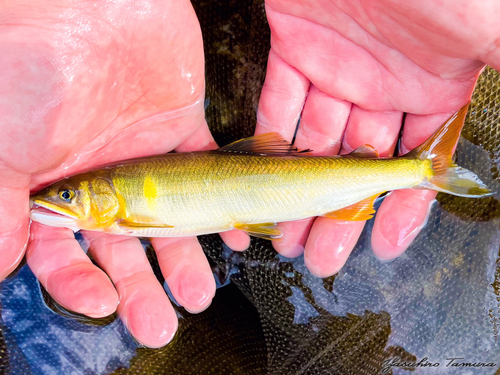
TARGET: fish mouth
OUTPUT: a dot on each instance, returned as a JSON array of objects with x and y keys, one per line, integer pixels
[
  {"x": 42, "y": 206},
  {"x": 52, "y": 215}
]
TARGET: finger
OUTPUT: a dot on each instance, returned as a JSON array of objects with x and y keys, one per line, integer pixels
[
  {"x": 329, "y": 244},
  {"x": 281, "y": 99},
  {"x": 331, "y": 241},
  {"x": 323, "y": 123},
  {"x": 399, "y": 220},
  {"x": 200, "y": 140},
  {"x": 236, "y": 240},
  {"x": 294, "y": 238},
  {"x": 378, "y": 129},
  {"x": 60, "y": 264},
  {"x": 186, "y": 271},
  {"x": 14, "y": 224},
  {"x": 144, "y": 306},
  {"x": 418, "y": 128},
  {"x": 403, "y": 214},
  {"x": 321, "y": 129}
]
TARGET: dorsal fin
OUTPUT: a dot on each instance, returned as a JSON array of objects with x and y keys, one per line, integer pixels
[
  {"x": 364, "y": 151},
  {"x": 263, "y": 144}
]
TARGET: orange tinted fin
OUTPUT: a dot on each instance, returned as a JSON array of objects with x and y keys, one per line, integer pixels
[
  {"x": 447, "y": 176},
  {"x": 267, "y": 231},
  {"x": 264, "y": 144},
  {"x": 364, "y": 151},
  {"x": 360, "y": 211}
]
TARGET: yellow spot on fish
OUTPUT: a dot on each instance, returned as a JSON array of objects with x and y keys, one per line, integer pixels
[{"x": 150, "y": 192}]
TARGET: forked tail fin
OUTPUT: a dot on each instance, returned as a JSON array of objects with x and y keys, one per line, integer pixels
[{"x": 448, "y": 177}]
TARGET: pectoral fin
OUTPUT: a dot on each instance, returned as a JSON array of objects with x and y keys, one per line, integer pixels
[
  {"x": 267, "y": 231},
  {"x": 360, "y": 211},
  {"x": 133, "y": 225}
]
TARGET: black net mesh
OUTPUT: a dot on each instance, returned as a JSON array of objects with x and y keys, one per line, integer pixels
[{"x": 440, "y": 300}]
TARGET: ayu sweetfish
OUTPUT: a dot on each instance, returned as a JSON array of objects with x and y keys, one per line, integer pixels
[{"x": 250, "y": 185}]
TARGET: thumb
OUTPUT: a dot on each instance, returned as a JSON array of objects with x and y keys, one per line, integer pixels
[{"x": 14, "y": 222}]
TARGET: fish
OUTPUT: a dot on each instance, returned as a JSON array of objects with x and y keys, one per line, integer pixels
[{"x": 250, "y": 185}]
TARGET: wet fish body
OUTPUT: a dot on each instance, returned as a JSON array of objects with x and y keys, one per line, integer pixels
[
  {"x": 250, "y": 185},
  {"x": 199, "y": 193}
]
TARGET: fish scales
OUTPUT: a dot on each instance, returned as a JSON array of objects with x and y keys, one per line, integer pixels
[
  {"x": 215, "y": 190},
  {"x": 250, "y": 184}
]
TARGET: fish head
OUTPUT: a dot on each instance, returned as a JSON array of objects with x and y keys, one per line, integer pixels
[{"x": 80, "y": 202}]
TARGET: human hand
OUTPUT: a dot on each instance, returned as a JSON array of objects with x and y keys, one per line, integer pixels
[
  {"x": 350, "y": 69},
  {"x": 84, "y": 84}
]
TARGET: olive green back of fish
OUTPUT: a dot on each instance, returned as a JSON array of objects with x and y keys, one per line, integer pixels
[{"x": 213, "y": 191}]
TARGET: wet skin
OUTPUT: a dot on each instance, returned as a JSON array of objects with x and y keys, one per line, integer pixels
[
  {"x": 351, "y": 69},
  {"x": 87, "y": 84}
]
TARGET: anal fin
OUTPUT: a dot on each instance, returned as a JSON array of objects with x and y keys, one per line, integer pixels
[
  {"x": 360, "y": 211},
  {"x": 267, "y": 231}
]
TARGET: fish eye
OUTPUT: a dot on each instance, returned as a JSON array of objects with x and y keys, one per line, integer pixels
[{"x": 66, "y": 195}]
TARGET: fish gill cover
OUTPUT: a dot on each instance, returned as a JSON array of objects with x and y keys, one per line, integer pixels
[{"x": 440, "y": 300}]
